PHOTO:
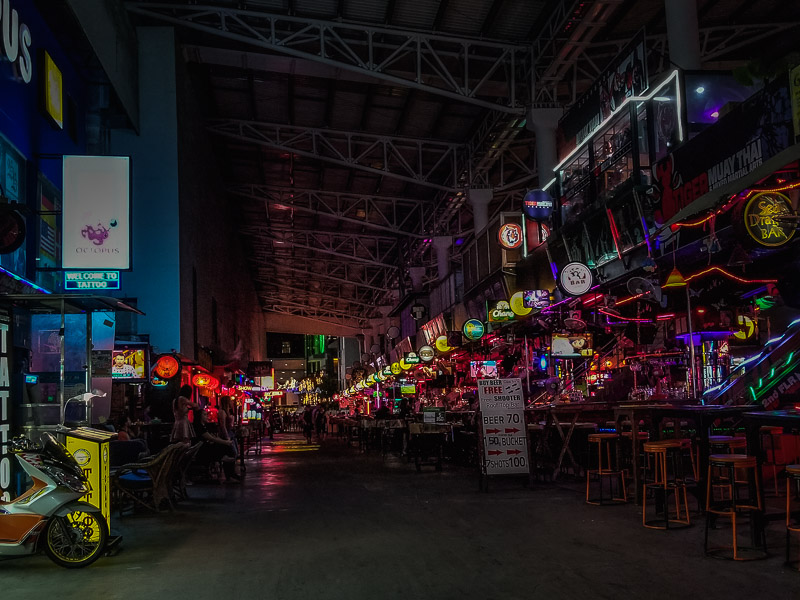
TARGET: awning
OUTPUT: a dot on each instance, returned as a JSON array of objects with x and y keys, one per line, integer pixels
[
  {"x": 714, "y": 198},
  {"x": 72, "y": 304}
]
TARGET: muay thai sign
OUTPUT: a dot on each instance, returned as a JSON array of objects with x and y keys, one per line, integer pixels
[{"x": 739, "y": 143}]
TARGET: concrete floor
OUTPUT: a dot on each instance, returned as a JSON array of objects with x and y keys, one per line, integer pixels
[{"x": 330, "y": 523}]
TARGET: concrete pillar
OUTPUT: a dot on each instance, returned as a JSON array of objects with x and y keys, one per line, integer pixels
[
  {"x": 683, "y": 33},
  {"x": 442, "y": 244},
  {"x": 416, "y": 274},
  {"x": 479, "y": 199},
  {"x": 543, "y": 122}
]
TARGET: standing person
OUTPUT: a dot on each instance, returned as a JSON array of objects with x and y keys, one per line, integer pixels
[
  {"x": 225, "y": 421},
  {"x": 182, "y": 430},
  {"x": 319, "y": 422},
  {"x": 308, "y": 423}
]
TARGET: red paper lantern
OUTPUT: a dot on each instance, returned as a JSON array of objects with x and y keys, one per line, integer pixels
[
  {"x": 206, "y": 381},
  {"x": 167, "y": 367}
]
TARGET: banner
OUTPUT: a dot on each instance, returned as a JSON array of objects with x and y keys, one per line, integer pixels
[
  {"x": 96, "y": 212},
  {"x": 626, "y": 76},
  {"x": 740, "y": 142}
]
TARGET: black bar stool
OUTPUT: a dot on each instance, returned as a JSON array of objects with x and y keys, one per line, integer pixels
[
  {"x": 607, "y": 470},
  {"x": 728, "y": 502},
  {"x": 664, "y": 476}
]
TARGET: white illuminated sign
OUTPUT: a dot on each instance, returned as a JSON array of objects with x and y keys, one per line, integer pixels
[
  {"x": 96, "y": 212},
  {"x": 576, "y": 279},
  {"x": 16, "y": 41}
]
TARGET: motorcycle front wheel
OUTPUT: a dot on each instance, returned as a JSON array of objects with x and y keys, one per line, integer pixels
[{"x": 76, "y": 540}]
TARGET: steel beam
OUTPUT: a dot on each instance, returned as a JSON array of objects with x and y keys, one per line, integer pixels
[
  {"x": 337, "y": 272},
  {"x": 401, "y": 216},
  {"x": 351, "y": 321},
  {"x": 476, "y": 71},
  {"x": 344, "y": 245},
  {"x": 334, "y": 295},
  {"x": 277, "y": 299},
  {"x": 420, "y": 161}
]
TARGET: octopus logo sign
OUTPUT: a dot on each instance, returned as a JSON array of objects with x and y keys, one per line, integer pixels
[
  {"x": 762, "y": 219},
  {"x": 510, "y": 236},
  {"x": 576, "y": 279}
]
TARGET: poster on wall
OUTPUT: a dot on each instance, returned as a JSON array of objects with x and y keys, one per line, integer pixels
[{"x": 96, "y": 212}]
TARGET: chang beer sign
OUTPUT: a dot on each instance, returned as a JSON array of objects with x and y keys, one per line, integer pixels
[
  {"x": 6, "y": 416},
  {"x": 500, "y": 312}
]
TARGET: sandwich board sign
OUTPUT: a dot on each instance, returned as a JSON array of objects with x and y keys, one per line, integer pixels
[{"x": 505, "y": 439}]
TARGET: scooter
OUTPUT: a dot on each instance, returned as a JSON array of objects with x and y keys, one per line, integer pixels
[{"x": 48, "y": 516}]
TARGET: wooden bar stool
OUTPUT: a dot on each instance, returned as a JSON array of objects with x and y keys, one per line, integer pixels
[
  {"x": 606, "y": 471},
  {"x": 664, "y": 475},
  {"x": 719, "y": 444},
  {"x": 721, "y": 478}
]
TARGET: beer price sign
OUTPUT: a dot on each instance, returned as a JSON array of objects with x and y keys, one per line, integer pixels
[{"x": 505, "y": 439}]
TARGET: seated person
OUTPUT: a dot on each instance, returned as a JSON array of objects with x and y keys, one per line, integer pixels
[{"x": 214, "y": 448}]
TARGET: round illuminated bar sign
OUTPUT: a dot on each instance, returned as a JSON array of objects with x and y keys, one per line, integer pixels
[
  {"x": 473, "y": 329},
  {"x": 387, "y": 371},
  {"x": 510, "y": 236},
  {"x": 441, "y": 344},
  {"x": 537, "y": 205},
  {"x": 396, "y": 368},
  {"x": 517, "y": 302},
  {"x": 404, "y": 365},
  {"x": 426, "y": 353},
  {"x": 576, "y": 279},
  {"x": 762, "y": 219},
  {"x": 167, "y": 367}
]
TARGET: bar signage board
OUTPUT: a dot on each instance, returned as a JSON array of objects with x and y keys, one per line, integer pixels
[
  {"x": 505, "y": 440},
  {"x": 91, "y": 280},
  {"x": 96, "y": 212}
]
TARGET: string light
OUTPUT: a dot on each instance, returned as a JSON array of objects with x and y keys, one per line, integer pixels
[
  {"x": 722, "y": 271},
  {"x": 784, "y": 188},
  {"x": 730, "y": 203},
  {"x": 623, "y": 319}
]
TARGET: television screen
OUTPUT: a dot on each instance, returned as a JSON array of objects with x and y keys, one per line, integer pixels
[
  {"x": 483, "y": 369},
  {"x": 129, "y": 364},
  {"x": 571, "y": 346},
  {"x": 408, "y": 388}
]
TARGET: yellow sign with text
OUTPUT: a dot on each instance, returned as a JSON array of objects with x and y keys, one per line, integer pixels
[{"x": 92, "y": 455}]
